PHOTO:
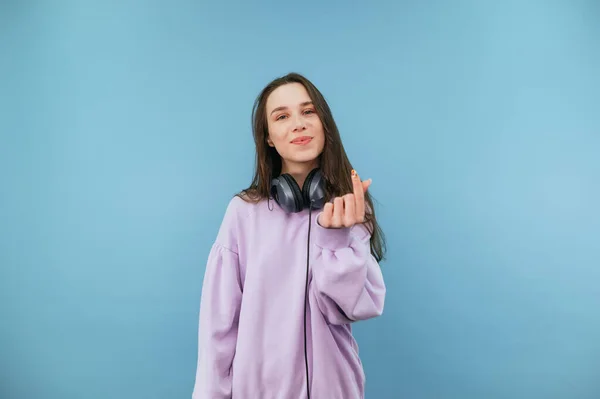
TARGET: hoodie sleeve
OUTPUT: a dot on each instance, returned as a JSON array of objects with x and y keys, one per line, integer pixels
[
  {"x": 347, "y": 280},
  {"x": 219, "y": 313}
]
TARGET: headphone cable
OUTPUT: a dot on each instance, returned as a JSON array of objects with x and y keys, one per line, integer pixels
[{"x": 306, "y": 300}]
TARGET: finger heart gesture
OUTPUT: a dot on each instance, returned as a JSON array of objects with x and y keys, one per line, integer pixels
[{"x": 348, "y": 210}]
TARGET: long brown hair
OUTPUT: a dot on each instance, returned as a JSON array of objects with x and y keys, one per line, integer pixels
[{"x": 334, "y": 163}]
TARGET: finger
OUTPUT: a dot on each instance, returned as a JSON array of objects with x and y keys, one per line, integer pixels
[
  {"x": 366, "y": 184},
  {"x": 326, "y": 215},
  {"x": 349, "y": 209},
  {"x": 356, "y": 184},
  {"x": 338, "y": 210},
  {"x": 359, "y": 196}
]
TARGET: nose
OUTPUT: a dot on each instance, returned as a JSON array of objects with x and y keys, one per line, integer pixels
[{"x": 299, "y": 124}]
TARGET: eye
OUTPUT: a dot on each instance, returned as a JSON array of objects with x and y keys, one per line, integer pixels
[
  {"x": 280, "y": 117},
  {"x": 309, "y": 111}
]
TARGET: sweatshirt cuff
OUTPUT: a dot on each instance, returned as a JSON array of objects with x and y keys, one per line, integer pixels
[{"x": 339, "y": 238}]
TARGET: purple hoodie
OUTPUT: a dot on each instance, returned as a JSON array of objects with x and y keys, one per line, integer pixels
[{"x": 251, "y": 333}]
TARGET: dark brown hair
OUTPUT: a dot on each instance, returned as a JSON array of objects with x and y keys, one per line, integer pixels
[{"x": 333, "y": 161}]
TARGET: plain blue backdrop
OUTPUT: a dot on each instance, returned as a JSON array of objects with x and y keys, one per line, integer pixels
[{"x": 125, "y": 130}]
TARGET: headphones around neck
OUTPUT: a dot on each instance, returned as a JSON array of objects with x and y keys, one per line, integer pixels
[{"x": 291, "y": 198}]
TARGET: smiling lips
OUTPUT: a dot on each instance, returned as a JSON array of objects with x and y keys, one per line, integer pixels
[{"x": 302, "y": 140}]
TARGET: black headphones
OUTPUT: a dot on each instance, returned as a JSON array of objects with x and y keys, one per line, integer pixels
[{"x": 291, "y": 198}]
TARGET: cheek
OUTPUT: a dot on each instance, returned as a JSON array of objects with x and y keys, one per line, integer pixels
[
  {"x": 277, "y": 139},
  {"x": 321, "y": 137},
  {"x": 321, "y": 143},
  {"x": 318, "y": 129}
]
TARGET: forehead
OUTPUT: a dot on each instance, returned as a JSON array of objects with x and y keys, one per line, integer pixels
[{"x": 288, "y": 95}]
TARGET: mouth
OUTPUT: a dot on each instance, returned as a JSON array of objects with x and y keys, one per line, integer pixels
[{"x": 302, "y": 140}]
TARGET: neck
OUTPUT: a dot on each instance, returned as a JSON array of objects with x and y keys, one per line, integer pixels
[{"x": 299, "y": 171}]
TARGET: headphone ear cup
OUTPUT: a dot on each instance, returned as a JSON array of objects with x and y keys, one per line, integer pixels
[
  {"x": 283, "y": 194},
  {"x": 297, "y": 193},
  {"x": 306, "y": 186},
  {"x": 286, "y": 193},
  {"x": 313, "y": 190}
]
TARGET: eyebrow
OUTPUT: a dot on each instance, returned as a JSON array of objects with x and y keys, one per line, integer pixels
[{"x": 304, "y": 104}]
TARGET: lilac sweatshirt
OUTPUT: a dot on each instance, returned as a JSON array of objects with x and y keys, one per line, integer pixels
[{"x": 251, "y": 332}]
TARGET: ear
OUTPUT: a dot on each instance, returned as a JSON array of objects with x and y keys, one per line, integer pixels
[{"x": 270, "y": 142}]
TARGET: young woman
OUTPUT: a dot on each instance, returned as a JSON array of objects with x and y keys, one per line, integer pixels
[{"x": 294, "y": 264}]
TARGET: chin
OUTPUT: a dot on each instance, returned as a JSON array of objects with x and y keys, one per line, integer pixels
[{"x": 309, "y": 156}]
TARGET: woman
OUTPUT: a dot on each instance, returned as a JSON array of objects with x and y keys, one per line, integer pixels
[{"x": 282, "y": 287}]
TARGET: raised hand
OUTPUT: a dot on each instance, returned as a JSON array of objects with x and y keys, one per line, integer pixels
[{"x": 348, "y": 210}]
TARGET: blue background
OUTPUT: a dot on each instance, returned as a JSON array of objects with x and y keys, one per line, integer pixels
[{"x": 125, "y": 129}]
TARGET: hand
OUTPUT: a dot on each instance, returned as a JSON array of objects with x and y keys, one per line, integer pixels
[{"x": 348, "y": 210}]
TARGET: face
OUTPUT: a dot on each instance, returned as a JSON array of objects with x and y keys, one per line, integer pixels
[{"x": 295, "y": 129}]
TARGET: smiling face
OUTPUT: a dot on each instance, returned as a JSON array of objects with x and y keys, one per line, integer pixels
[{"x": 295, "y": 129}]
